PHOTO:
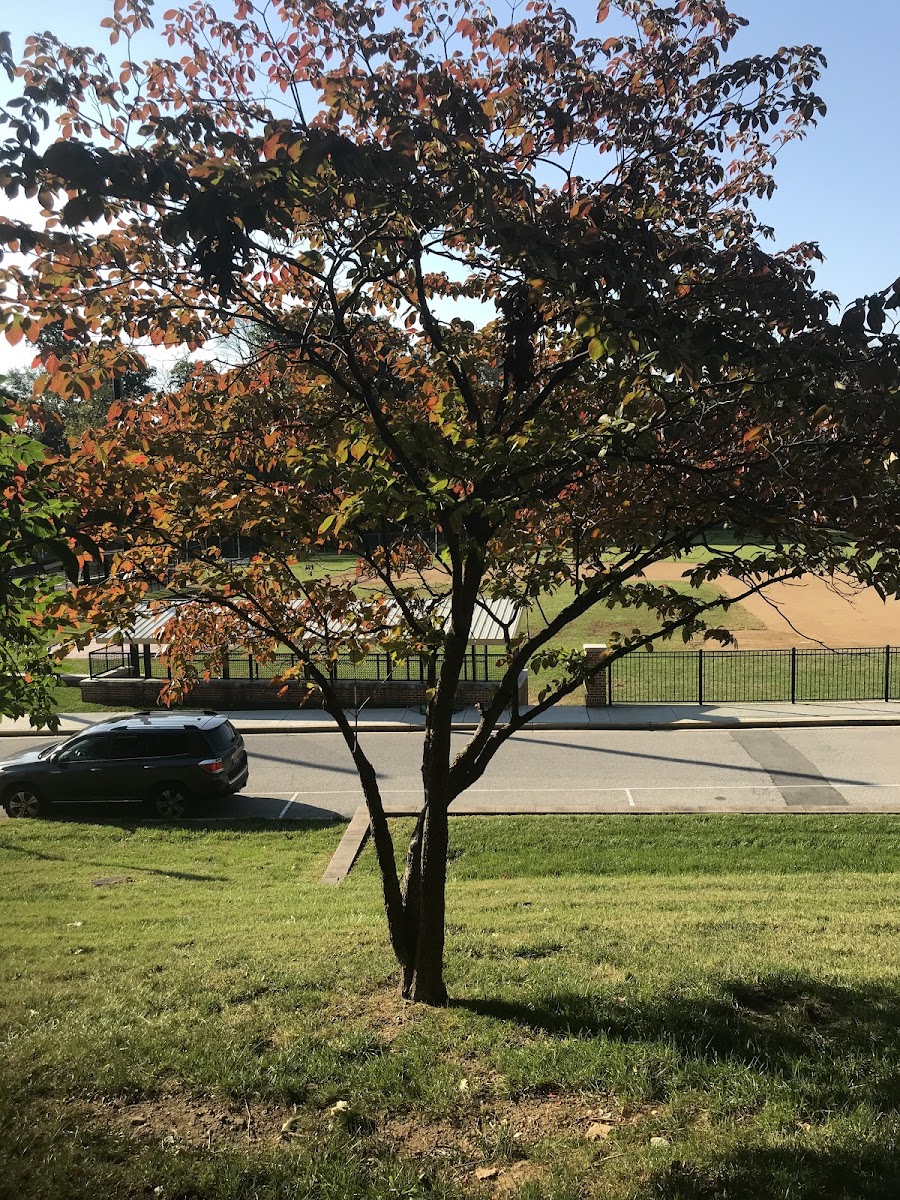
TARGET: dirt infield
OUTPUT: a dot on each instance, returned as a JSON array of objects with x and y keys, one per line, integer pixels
[{"x": 807, "y": 612}]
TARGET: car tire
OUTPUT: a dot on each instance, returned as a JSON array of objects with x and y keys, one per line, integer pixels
[
  {"x": 170, "y": 802},
  {"x": 24, "y": 800}
]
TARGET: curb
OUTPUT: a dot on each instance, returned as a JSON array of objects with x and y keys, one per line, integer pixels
[{"x": 349, "y": 848}]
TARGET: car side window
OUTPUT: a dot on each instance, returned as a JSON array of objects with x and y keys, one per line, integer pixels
[
  {"x": 170, "y": 743},
  {"x": 86, "y": 749},
  {"x": 130, "y": 745}
]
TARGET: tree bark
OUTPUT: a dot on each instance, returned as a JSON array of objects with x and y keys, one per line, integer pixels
[
  {"x": 425, "y": 900},
  {"x": 425, "y": 881}
]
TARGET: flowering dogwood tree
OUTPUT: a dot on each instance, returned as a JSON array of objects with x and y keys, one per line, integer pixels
[{"x": 503, "y": 279}]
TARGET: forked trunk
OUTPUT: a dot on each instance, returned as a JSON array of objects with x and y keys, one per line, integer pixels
[{"x": 424, "y": 889}]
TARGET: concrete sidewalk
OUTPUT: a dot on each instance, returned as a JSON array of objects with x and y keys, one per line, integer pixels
[{"x": 771, "y": 715}]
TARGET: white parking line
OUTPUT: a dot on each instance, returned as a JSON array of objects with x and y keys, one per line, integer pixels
[
  {"x": 630, "y": 797},
  {"x": 288, "y": 805}
]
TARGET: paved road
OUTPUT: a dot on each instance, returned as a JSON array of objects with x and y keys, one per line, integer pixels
[{"x": 748, "y": 770}]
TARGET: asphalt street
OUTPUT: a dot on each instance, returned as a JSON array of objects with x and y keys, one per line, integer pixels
[{"x": 310, "y": 775}]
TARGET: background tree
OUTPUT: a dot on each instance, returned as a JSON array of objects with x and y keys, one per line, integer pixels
[
  {"x": 509, "y": 284},
  {"x": 59, "y": 422},
  {"x": 33, "y": 520}
]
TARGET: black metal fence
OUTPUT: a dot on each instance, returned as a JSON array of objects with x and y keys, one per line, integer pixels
[
  {"x": 480, "y": 665},
  {"x": 750, "y": 676},
  {"x": 661, "y": 677},
  {"x": 110, "y": 658}
]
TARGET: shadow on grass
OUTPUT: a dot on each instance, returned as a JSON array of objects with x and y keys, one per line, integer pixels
[
  {"x": 28, "y": 852},
  {"x": 198, "y": 826},
  {"x": 202, "y": 822},
  {"x": 773, "y": 1173},
  {"x": 834, "y": 1047}
]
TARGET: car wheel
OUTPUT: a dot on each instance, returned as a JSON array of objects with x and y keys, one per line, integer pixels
[
  {"x": 22, "y": 800},
  {"x": 170, "y": 802}
]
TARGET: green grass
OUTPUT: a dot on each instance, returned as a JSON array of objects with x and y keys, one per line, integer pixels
[
  {"x": 74, "y": 666},
  {"x": 750, "y": 676},
  {"x": 68, "y": 700},
  {"x": 320, "y": 566},
  {"x": 656, "y": 844},
  {"x": 728, "y": 984},
  {"x": 598, "y": 624},
  {"x": 723, "y": 544}
]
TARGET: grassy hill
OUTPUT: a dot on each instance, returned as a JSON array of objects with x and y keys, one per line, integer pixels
[{"x": 697, "y": 1008}]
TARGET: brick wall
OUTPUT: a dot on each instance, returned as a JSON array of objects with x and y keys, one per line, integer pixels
[
  {"x": 596, "y": 689},
  {"x": 225, "y": 694}
]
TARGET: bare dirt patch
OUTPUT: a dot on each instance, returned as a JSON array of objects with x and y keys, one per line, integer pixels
[
  {"x": 496, "y": 1144},
  {"x": 177, "y": 1119},
  {"x": 383, "y": 1012},
  {"x": 807, "y": 612},
  {"x": 833, "y": 613},
  {"x": 492, "y": 1144}
]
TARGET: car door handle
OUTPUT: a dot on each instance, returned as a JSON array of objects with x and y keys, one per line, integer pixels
[{"x": 94, "y": 770}]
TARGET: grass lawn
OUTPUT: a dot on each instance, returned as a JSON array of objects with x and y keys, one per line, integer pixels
[
  {"x": 755, "y": 675},
  {"x": 68, "y": 700},
  {"x": 597, "y": 625},
  {"x": 74, "y": 666},
  {"x": 695, "y": 1008},
  {"x": 723, "y": 544},
  {"x": 323, "y": 564}
]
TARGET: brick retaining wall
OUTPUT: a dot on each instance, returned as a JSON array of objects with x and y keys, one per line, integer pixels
[
  {"x": 596, "y": 689},
  {"x": 225, "y": 694}
]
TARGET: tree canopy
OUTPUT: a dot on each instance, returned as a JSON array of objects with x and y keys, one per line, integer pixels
[
  {"x": 507, "y": 281},
  {"x": 33, "y": 523}
]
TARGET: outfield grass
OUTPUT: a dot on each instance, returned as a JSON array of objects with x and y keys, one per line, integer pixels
[
  {"x": 321, "y": 565},
  {"x": 599, "y": 624},
  {"x": 726, "y": 985}
]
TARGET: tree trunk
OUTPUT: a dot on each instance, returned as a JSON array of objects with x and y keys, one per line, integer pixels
[{"x": 424, "y": 897}]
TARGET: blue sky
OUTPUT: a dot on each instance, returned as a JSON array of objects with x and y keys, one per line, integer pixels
[{"x": 840, "y": 187}]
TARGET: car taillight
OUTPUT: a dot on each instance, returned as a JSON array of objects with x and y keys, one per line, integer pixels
[{"x": 214, "y": 765}]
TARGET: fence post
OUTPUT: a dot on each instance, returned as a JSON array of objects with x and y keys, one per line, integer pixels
[
  {"x": 700, "y": 678},
  {"x": 887, "y": 674},
  {"x": 596, "y": 689},
  {"x": 793, "y": 674},
  {"x": 250, "y": 666}
]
